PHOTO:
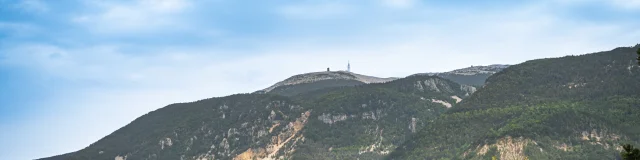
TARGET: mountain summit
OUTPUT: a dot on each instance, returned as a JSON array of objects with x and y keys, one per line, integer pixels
[{"x": 319, "y": 80}]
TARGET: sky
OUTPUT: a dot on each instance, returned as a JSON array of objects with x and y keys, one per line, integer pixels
[{"x": 74, "y": 71}]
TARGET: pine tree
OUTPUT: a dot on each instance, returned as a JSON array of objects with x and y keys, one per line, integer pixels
[
  {"x": 638, "y": 56},
  {"x": 630, "y": 153}
]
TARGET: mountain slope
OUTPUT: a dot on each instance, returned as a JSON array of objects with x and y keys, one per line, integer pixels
[
  {"x": 59, "y": 157},
  {"x": 268, "y": 126},
  {"x": 303, "y": 83},
  {"x": 369, "y": 121},
  {"x": 217, "y": 128},
  {"x": 574, "y": 107},
  {"x": 474, "y": 75}
]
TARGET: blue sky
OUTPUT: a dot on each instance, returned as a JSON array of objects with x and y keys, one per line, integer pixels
[{"x": 73, "y": 71}]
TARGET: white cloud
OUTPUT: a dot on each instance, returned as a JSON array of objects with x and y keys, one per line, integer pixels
[
  {"x": 164, "y": 6},
  {"x": 628, "y": 4},
  {"x": 315, "y": 11},
  {"x": 188, "y": 75},
  {"x": 138, "y": 16},
  {"x": 399, "y": 3},
  {"x": 34, "y": 6},
  {"x": 622, "y": 4},
  {"x": 18, "y": 29}
]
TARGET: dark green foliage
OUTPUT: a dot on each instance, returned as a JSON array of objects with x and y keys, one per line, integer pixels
[
  {"x": 455, "y": 133},
  {"x": 377, "y": 115},
  {"x": 195, "y": 127},
  {"x": 473, "y": 76},
  {"x": 554, "y": 102},
  {"x": 292, "y": 90},
  {"x": 567, "y": 78},
  {"x": 638, "y": 56},
  {"x": 630, "y": 153},
  {"x": 58, "y": 157},
  {"x": 477, "y": 80}
]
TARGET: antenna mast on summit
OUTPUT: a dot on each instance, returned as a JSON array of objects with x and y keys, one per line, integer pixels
[{"x": 348, "y": 66}]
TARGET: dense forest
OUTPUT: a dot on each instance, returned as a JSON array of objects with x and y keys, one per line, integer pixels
[
  {"x": 574, "y": 107},
  {"x": 369, "y": 121}
]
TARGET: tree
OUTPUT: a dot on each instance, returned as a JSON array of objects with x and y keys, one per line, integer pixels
[
  {"x": 638, "y": 56},
  {"x": 630, "y": 153}
]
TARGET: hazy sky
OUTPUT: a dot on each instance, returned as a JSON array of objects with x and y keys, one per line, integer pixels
[{"x": 73, "y": 71}]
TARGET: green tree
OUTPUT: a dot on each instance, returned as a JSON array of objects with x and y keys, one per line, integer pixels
[
  {"x": 630, "y": 153},
  {"x": 638, "y": 56}
]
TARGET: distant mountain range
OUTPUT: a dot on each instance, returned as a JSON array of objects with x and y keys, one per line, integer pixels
[{"x": 574, "y": 107}]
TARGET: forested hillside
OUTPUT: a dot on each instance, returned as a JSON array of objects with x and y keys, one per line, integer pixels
[
  {"x": 474, "y": 75},
  {"x": 366, "y": 121},
  {"x": 370, "y": 121},
  {"x": 574, "y": 107},
  {"x": 248, "y": 125}
]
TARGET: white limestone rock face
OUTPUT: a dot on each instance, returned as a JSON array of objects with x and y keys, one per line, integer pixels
[
  {"x": 434, "y": 85},
  {"x": 330, "y": 119},
  {"x": 165, "y": 143},
  {"x": 121, "y": 158},
  {"x": 418, "y": 86},
  {"x": 458, "y": 99},
  {"x": 446, "y": 104},
  {"x": 469, "y": 89},
  {"x": 431, "y": 85},
  {"x": 633, "y": 66},
  {"x": 373, "y": 115},
  {"x": 272, "y": 116},
  {"x": 412, "y": 125}
]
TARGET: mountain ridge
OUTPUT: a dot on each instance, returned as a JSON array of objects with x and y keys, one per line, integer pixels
[
  {"x": 569, "y": 107},
  {"x": 307, "y": 82},
  {"x": 572, "y": 107},
  {"x": 474, "y": 75},
  {"x": 326, "y": 75}
]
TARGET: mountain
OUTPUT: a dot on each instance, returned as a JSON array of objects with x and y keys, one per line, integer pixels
[
  {"x": 574, "y": 107},
  {"x": 303, "y": 83},
  {"x": 366, "y": 121},
  {"x": 370, "y": 121},
  {"x": 216, "y": 128},
  {"x": 319, "y": 80},
  {"x": 59, "y": 157},
  {"x": 474, "y": 75}
]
